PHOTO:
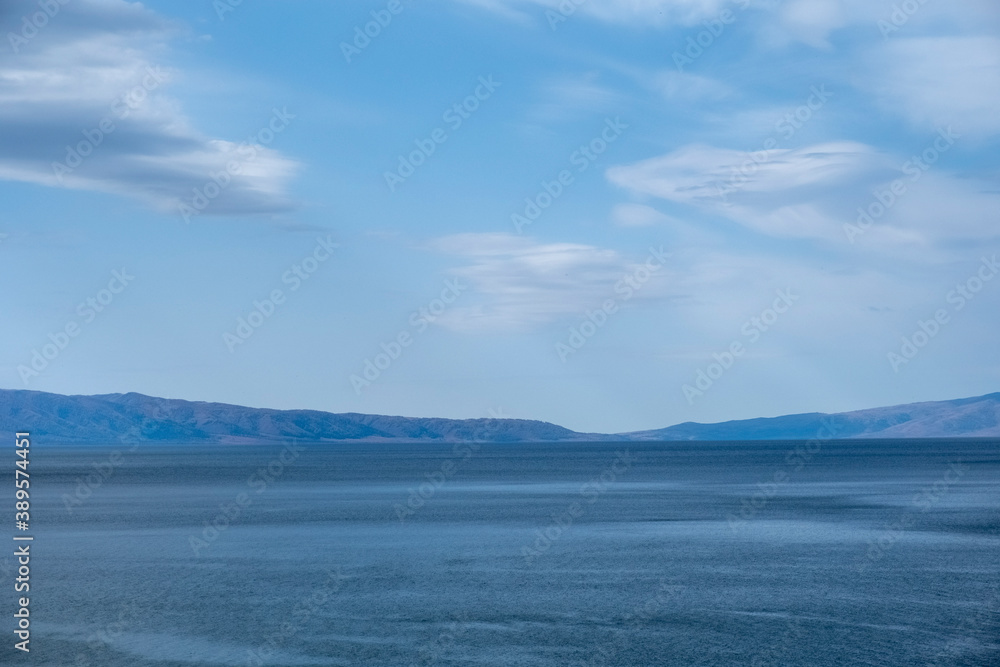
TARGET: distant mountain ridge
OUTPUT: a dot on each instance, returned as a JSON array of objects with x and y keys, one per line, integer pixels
[
  {"x": 977, "y": 417},
  {"x": 138, "y": 418}
]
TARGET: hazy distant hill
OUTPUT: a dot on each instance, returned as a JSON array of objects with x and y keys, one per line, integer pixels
[
  {"x": 135, "y": 417},
  {"x": 960, "y": 418},
  {"x": 139, "y": 418}
]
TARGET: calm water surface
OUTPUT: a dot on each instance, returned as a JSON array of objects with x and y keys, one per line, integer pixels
[{"x": 860, "y": 553}]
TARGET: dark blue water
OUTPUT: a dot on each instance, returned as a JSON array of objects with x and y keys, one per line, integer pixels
[{"x": 573, "y": 554}]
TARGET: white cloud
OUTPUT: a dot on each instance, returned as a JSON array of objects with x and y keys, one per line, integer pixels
[
  {"x": 569, "y": 97},
  {"x": 813, "y": 192},
  {"x": 702, "y": 297},
  {"x": 785, "y": 192},
  {"x": 520, "y": 283},
  {"x": 634, "y": 12},
  {"x": 89, "y": 81},
  {"x": 657, "y": 12},
  {"x": 506, "y": 8},
  {"x": 683, "y": 86},
  {"x": 941, "y": 209},
  {"x": 939, "y": 81},
  {"x": 637, "y": 215},
  {"x": 812, "y": 21}
]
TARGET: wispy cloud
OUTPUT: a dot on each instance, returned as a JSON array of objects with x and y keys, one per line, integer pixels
[
  {"x": 84, "y": 106},
  {"x": 687, "y": 87},
  {"x": 812, "y": 192},
  {"x": 569, "y": 97},
  {"x": 637, "y": 215},
  {"x": 937, "y": 81},
  {"x": 812, "y": 21},
  {"x": 790, "y": 193},
  {"x": 521, "y": 283},
  {"x": 630, "y": 12}
]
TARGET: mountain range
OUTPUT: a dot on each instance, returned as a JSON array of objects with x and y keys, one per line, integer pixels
[{"x": 138, "y": 418}]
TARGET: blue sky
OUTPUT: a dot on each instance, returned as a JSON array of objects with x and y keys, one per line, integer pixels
[{"x": 641, "y": 212}]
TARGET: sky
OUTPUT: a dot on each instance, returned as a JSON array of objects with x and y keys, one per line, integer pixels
[{"x": 613, "y": 215}]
